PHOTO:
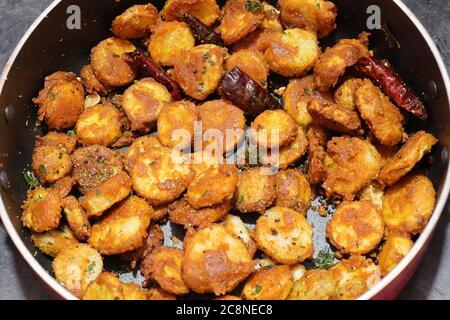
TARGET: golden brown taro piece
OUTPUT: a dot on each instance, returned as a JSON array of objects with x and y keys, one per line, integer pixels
[
  {"x": 259, "y": 40},
  {"x": 269, "y": 284},
  {"x": 394, "y": 250},
  {"x": 293, "y": 190},
  {"x": 181, "y": 212},
  {"x": 317, "y": 139},
  {"x": 351, "y": 164},
  {"x": 237, "y": 227},
  {"x": 76, "y": 266},
  {"x": 100, "y": 125},
  {"x": 252, "y": 62},
  {"x": 298, "y": 94},
  {"x": 164, "y": 266},
  {"x": 169, "y": 41},
  {"x": 284, "y": 235},
  {"x": 105, "y": 195},
  {"x": 334, "y": 116},
  {"x": 91, "y": 83},
  {"x": 373, "y": 192},
  {"x": 199, "y": 70},
  {"x": 271, "y": 18},
  {"x": 240, "y": 17},
  {"x": 292, "y": 52},
  {"x": 138, "y": 147},
  {"x": 76, "y": 218},
  {"x": 354, "y": 276},
  {"x": 407, "y": 157},
  {"x": 158, "y": 294},
  {"x": 383, "y": 118},
  {"x": 94, "y": 165},
  {"x": 176, "y": 124},
  {"x": 333, "y": 63},
  {"x": 345, "y": 94},
  {"x": 273, "y": 128},
  {"x": 225, "y": 117},
  {"x": 207, "y": 11},
  {"x": 61, "y": 101},
  {"x": 42, "y": 210},
  {"x": 53, "y": 242},
  {"x": 161, "y": 176},
  {"x": 136, "y": 22},
  {"x": 57, "y": 139},
  {"x": 132, "y": 291},
  {"x": 316, "y": 284},
  {"x": 409, "y": 204},
  {"x": 214, "y": 186},
  {"x": 315, "y": 15},
  {"x": 214, "y": 260},
  {"x": 356, "y": 227},
  {"x": 154, "y": 240},
  {"x": 50, "y": 163},
  {"x": 108, "y": 286},
  {"x": 255, "y": 191},
  {"x": 289, "y": 154},
  {"x": 143, "y": 102},
  {"x": 108, "y": 65},
  {"x": 123, "y": 229}
]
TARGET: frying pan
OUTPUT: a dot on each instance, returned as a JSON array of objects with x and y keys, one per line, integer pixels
[{"x": 49, "y": 46}]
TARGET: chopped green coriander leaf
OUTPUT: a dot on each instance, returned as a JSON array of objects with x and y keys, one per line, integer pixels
[
  {"x": 42, "y": 169},
  {"x": 252, "y": 6},
  {"x": 324, "y": 259},
  {"x": 31, "y": 179},
  {"x": 71, "y": 133},
  {"x": 257, "y": 289}
]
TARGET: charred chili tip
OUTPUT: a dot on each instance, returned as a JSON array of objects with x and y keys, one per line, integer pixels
[
  {"x": 391, "y": 83},
  {"x": 240, "y": 89},
  {"x": 202, "y": 33},
  {"x": 142, "y": 62}
]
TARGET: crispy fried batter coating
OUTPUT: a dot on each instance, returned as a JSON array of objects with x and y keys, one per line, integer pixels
[
  {"x": 236, "y": 226},
  {"x": 94, "y": 165},
  {"x": 274, "y": 128},
  {"x": 255, "y": 191},
  {"x": 100, "y": 124},
  {"x": 199, "y": 70},
  {"x": 108, "y": 286},
  {"x": 91, "y": 83},
  {"x": 215, "y": 261},
  {"x": 173, "y": 118},
  {"x": 53, "y": 242},
  {"x": 76, "y": 218},
  {"x": 107, "y": 63},
  {"x": 383, "y": 118},
  {"x": 334, "y": 116},
  {"x": 271, "y": 20},
  {"x": 373, "y": 193},
  {"x": 315, "y": 15},
  {"x": 351, "y": 164},
  {"x": 240, "y": 17},
  {"x": 143, "y": 102},
  {"x": 345, "y": 94},
  {"x": 161, "y": 176},
  {"x": 356, "y": 227},
  {"x": 315, "y": 284},
  {"x": 207, "y": 11},
  {"x": 155, "y": 239},
  {"x": 123, "y": 229},
  {"x": 284, "y": 235},
  {"x": 317, "y": 141},
  {"x": 228, "y": 297},
  {"x": 252, "y": 62},
  {"x": 57, "y": 139},
  {"x": 158, "y": 294},
  {"x": 257, "y": 40},
  {"x": 409, "y": 204},
  {"x": 76, "y": 266},
  {"x": 136, "y": 22},
  {"x": 42, "y": 210},
  {"x": 61, "y": 101},
  {"x": 407, "y": 157},
  {"x": 394, "y": 250},
  {"x": 50, "y": 163},
  {"x": 138, "y": 147},
  {"x": 225, "y": 117},
  {"x": 292, "y": 52},
  {"x": 293, "y": 190},
  {"x": 163, "y": 265},
  {"x": 169, "y": 41},
  {"x": 181, "y": 212},
  {"x": 105, "y": 195},
  {"x": 269, "y": 284},
  {"x": 214, "y": 186},
  {"x": 354, "y": 276},
  {"x": 335, "y": 60}
]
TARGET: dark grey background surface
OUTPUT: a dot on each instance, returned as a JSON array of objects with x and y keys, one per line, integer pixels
[{"x": 431, "y": 281}]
